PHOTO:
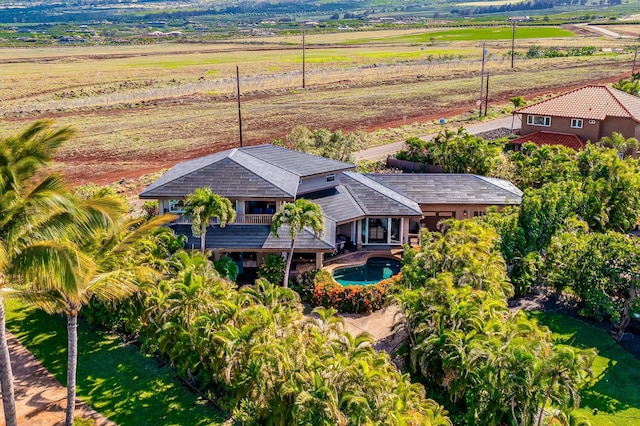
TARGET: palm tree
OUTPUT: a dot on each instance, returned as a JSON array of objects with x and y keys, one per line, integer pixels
[
  {"x": 518, "y": 102},
  {"x": 29, "y": 206},
  {"x": 567, "y": 371},
  {"x": 631, "y": 86},
  {"x": 63, "y": 275},
  {"x": 297, "y": 216},
  {"x": 618, "y": 142},
  {"x": 203, "y": 205}
]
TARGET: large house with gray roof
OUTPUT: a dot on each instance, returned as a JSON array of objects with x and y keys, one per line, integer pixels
[{"x": 361, "y": 211}]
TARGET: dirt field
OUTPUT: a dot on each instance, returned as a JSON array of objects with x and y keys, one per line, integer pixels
[{"x": 140, "y": 109}]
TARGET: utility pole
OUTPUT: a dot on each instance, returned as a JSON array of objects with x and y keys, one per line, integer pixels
[
  {"x": 481, "y": 81},
  {"x": 513, "y": 42},
  {"x": 239, "y": 108},
  {"x": 635, "y": 55},
  {"x": 486, "y": 97},
  {"x": 303, "y": 60}
]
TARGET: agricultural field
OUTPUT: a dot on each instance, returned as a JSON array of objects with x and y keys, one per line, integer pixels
[{"x": 140, "y": 109}]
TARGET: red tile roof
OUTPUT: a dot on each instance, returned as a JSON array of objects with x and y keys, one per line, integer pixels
[
  {"x": 549, "y": 138},
  {"x": 590, "y": 103}
]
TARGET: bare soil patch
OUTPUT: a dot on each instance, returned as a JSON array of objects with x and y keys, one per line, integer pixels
[{"x": 103, "y": 165}]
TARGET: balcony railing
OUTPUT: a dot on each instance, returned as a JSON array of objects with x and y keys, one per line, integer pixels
[{"x": 243, "y": 219}]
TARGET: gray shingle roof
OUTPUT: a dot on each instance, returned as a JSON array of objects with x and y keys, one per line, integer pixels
[
  {"x": 337, "y": 204},
  {"x": 263, "y": 171},
  {"x": 257, "y": 237},
  {"x": 376, "y": 199},
  {"x": 298, "y": 163},
  {"x": 448, "y": 188}
]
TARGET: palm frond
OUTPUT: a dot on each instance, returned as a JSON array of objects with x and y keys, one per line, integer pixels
[
  {"x": 54, "y": 265},
  {"x": 140, "y": 233}
]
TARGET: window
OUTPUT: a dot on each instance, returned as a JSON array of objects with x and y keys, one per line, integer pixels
[
  {"x": 538, "y": 120},
  {"x": 331, "y": 178},
  {"x": 176, "y": 206},
  {"x": 576, "y": 123}
]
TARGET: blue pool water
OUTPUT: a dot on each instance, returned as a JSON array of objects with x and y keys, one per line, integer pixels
[{"x": 376, "y": 269}]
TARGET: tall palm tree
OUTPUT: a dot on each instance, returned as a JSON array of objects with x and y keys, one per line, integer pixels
[
  {"x": 297, "y": 216},
  {"x": 618, "y": 142},
  {"x": 29, "y": 206},
  {"x": 63, "y": 275},
  {"x": 203, "y": 205}
]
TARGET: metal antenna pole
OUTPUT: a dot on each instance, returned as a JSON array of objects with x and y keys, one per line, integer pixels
[
  {"x": 239, "y": 107},
  {"x": 481, "y": 82},
  {"x": 635, "y": 55},
  {"x": 303, "y": 61}
]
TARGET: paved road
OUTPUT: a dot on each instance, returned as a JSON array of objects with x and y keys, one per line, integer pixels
[{"x": 381, "y": 152}]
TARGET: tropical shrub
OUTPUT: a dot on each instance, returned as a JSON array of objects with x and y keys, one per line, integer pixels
[
  {"x": 492, "y": 366},
  {"x": 454, "y": 152},
  {"x": 272, "y": 269},
  {"x": 253, "y": 352},
  {"x": 608, "y": 286},
  {"x": 227, "y": 268},
  {"x": 358, "y": 299}
]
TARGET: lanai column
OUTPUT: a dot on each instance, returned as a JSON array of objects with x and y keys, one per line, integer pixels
[
  {"x": 404, "y": 230},
  {"x": 319, "y": 256}
]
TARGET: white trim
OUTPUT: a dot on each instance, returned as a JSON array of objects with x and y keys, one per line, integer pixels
[
  {"x": 576, "y": 123},
  {"x": 546, "y": 120}
]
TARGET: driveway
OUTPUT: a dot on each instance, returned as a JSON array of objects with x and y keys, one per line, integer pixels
[{"x": 383, "y": 151}]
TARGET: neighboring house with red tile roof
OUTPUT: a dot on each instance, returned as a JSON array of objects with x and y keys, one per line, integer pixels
[
  {"x": 549, "y": 138},
  {"x": 590, "y": 112}
]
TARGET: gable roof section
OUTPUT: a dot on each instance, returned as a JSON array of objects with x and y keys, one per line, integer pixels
[
  {"x": 589, "y": 103},
  {"x": 298, "y": 163},
  {"x": 263, "y": 171},
  {"x": 551, "y": 138},
  {"x": 450, "y": 188},
  {"x": 378, "y": 200}
]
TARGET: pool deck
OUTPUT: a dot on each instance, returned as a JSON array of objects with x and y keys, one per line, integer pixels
[{"x": 357, "y": 258}]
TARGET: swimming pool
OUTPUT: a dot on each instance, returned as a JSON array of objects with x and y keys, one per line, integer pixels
[{"x": 376, "y": 269}]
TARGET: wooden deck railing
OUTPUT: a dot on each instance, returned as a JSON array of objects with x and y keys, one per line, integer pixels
[{"x": 243, "y": 219}]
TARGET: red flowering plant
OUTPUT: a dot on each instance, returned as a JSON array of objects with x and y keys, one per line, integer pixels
[{"x": 321, "y": 289}]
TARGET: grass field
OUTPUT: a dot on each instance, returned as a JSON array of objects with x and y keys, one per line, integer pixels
[
  {"x": 473, "y": 34},
  {"x": 615, "y": 387},
  {"x": 113, "y": 378}
]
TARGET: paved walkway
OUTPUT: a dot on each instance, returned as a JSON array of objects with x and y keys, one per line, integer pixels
[
  {"x": 383, "y": 151},
  {"x": 40, "y": 398}
]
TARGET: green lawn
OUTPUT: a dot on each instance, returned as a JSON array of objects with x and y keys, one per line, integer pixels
[
  {"x": 472, "y": 33},
  {"x": 115, "y": 379},
  {"x": 615, "y": 391}
]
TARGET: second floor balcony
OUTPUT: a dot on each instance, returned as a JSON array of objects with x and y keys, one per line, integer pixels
[{"x": 241, "y": 219}]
